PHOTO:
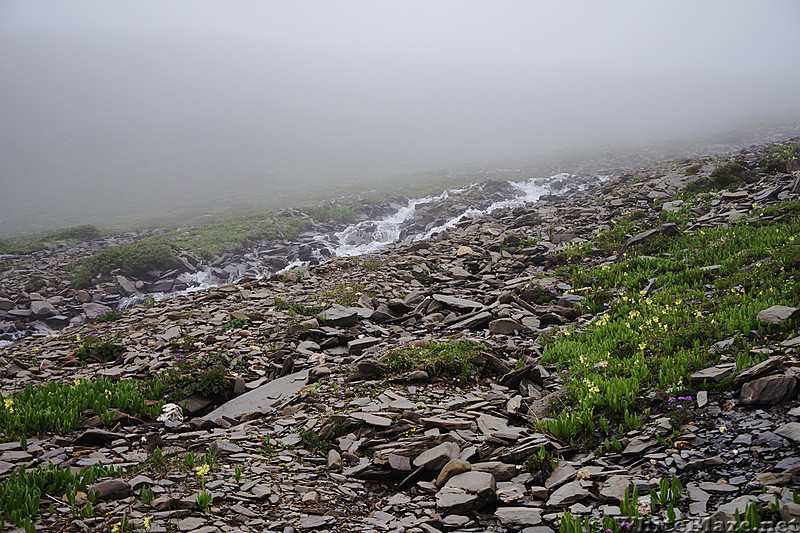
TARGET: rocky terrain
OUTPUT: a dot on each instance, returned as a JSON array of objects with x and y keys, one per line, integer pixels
[{"x": 410, "y": 390}]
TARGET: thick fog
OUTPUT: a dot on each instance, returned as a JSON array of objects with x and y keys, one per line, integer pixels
[{"x": 113, "y": 109}]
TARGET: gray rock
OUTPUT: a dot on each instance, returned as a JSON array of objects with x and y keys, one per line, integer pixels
[
  {"x": 459, "y": 304},
  {"x": 93, "y": 310},
  {"x": 714, "y": 374},
  {"x": 339, "y": 316},
  {"x": 770, "y": 390},
  {"x": 568, "y": 494},
  {"x": 614, "y": 488},
  {"x": 438, "y": 456},
  {"x": 466, "y": 492},
  {"x": 755, "y": 371},
  {"x": 790, "y": 431},
  {"x": 224, "y": 446},
  {"x": 6, "y": 304},
  {"x": 41, "y": 309},
  {"x": 112, "y": 489},
  {"x": 519, "y": 516},
  {"x": 355, "y": 347},
  {"x": 505, "y": 326},
  {"x": 778, "y": 314},
  {"x": 261, "y": 398}
]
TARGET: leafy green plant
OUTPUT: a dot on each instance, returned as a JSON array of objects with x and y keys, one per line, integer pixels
[
  {"x": 60, "y": 407},
  {"x": 21, "y": 492},
  {"x": 99, "y": 349},
  {"x": 204, "y": 498},
  {"x": 110, "y": 316},
  {"x": 235, "y": 323},
  {"x": 460, "y": 359},
  {"x": 131, "y": 259}
]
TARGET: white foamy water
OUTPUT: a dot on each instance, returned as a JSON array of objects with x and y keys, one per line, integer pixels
[
  {"x": 382, "y": 232},
  {"x": 530, "y": 192}
]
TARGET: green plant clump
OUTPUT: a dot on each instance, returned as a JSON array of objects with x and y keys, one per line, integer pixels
[
  {"x": 462, "y": 359},
  {"x": 130, "y": 259},
  {"x": 60, "y": 407},
  {"x": 99, "y": 349},
  {"x": 21, "y": 492}
]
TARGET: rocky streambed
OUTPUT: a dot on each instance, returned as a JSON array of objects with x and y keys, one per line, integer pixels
[{"x": 315, "y": 427}]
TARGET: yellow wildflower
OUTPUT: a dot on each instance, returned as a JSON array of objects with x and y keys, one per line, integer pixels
[
  {"x": 8, "y": 403},
  {"x": 202, "y": 470},
  {"x": 147, "y": 523}
]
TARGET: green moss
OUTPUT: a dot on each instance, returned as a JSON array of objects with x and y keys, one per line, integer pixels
[{"x": 693, "y": 170}]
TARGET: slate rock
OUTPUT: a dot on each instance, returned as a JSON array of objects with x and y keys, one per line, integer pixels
[
  {"x": 112, "y": 489},
  {"x": 339, "y": 316},
  {"x": 760, "y": 369},
  {"x": 438, "y": 456},
  {"x": 452, "y": 468},
  {"x": 466, "y": 492},
  {"x": 519, "y": 516},
  {"x": 568, "y": 494},
  {"x": 770, "y": 390},
  {"x": 778, "y": 314},
  {"x": 790, "y": 431}
]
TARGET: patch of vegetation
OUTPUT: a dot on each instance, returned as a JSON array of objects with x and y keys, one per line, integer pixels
[
  {"x": 461, "y": 359},
  {"x": 693, "y": 170},
  {"x": 34, "y": 284},
  {"x": 60, "y": 407},
  {"x": 346, "y": 294},
  {"x": 110, "y": 316},
  {"x": 130, "y": 259},
  {"x": 723, "y": 177},
  {"x": 192, "y": 373},
  {"x": 654, "y": 339},
  {"x": 334, "y": 212},
  {"x": 235, "y": 323},
  {"x": 39, "y": 241},
  {"x": 312, "y": 442},
  {"x": 294, "y": 309},
  {"x": 99, "y": 349},
  {"x": 783, "y": 154},
  {"x": 231, "y": 234},
  {"x": 21, "y": 492}
]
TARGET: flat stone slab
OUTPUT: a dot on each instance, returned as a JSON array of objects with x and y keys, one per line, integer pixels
[
  {"x": 266, "y": 395},
  {"x": 519, "y": 516},
  {"x": 790, "y": 431},
  {"x": 714, "y": 374},
  {"x": 778, "y": 313},
  {"x": 770, "y": 390}
]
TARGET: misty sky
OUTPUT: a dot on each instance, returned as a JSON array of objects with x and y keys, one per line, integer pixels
[{"x": 121, "y": 108}]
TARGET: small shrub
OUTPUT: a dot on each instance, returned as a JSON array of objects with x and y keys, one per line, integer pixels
[
  {"x": 460, "y": 359},
  {"x": 693, "y": 170},
  {"x": 98, "y": 349},
  {"x": 130, "y": 259}
]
